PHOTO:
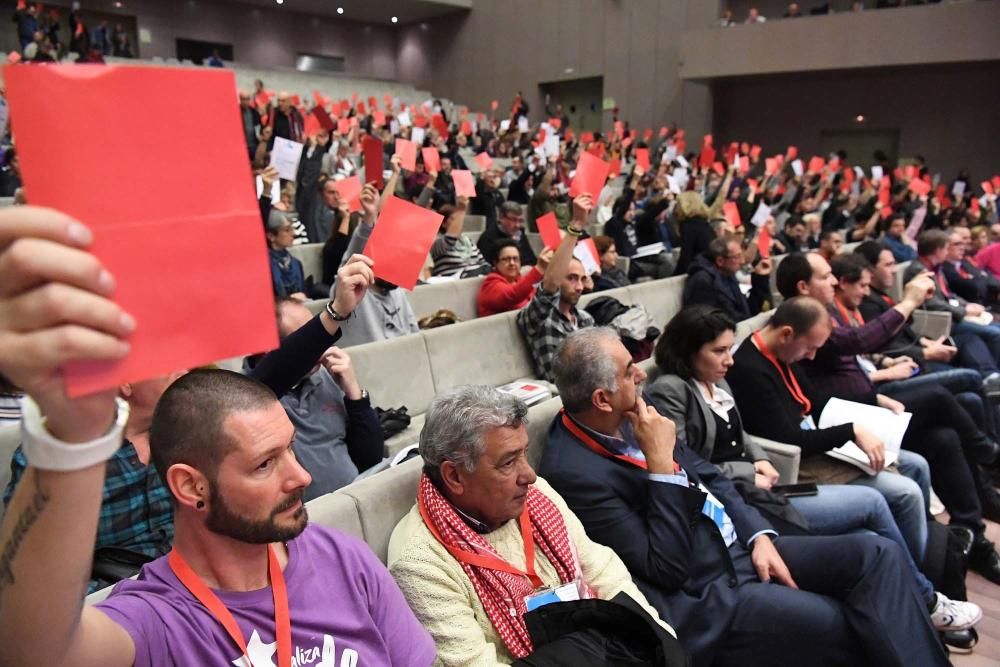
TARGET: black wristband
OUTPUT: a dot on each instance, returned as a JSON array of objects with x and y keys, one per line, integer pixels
[{"x": 333, "y": 314}]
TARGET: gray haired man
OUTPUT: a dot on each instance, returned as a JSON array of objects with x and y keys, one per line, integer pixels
[{"x": 510, "y": 225}]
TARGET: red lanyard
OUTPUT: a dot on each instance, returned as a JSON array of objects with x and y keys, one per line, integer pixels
[
  {"x": 791, "y": 384},
  {"x": 282, "y": 621},
  {"x": 888, "y": 299},
  {"x": 596, "y": 447},
  {"x": 488, "y": 560},
  {"x": 938, "y": 276},
  {"x": 847, "y": 314}
]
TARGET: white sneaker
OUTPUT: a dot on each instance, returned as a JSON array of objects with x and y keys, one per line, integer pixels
[{"x": 954, "y": 615}]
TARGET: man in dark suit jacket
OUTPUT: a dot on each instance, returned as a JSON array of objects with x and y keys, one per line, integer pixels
[
  {"x": 712, "y": 281},
  {"x": 706, "y": 560}
]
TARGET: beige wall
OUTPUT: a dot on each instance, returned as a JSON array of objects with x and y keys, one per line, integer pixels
[
  {"x": 502, "y": 46},
  {"x": 941, "y": 33},
  {"x": 946, "y": 113}
]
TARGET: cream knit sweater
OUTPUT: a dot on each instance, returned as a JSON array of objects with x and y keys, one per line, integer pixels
[{"x": 444, "y": 601}]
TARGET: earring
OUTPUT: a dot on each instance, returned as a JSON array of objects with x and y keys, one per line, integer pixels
[{"x": 200, "y": 504}]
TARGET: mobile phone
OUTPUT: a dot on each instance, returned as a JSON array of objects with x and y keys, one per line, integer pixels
[{"x": 792, "y": 490}]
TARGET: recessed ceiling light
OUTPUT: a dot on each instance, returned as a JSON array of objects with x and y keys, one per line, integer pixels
[
  {"x": 395, "y": 20},
  {"x": 280, "y": 2},
  {"x": 340, "y": 10},
  {"x": 859, "y": 118},
  {"x": 118, "y": 5}
]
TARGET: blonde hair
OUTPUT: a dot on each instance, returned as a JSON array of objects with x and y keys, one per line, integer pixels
[{"x": 690, "y": 205}]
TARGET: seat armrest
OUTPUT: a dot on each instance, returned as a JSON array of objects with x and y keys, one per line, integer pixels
[{"x": 785, "y": 458}]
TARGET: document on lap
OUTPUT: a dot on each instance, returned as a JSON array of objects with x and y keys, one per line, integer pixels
[
  {"x": 181, "y": 235},
  {"x": 886, "y": 425}
]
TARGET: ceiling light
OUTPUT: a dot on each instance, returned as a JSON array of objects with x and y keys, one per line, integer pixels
[
  {"x": 280, "y": 2},
  {"x": 859, "y": 118},
  {"x": 340, "y": 10},
  {"x": 395, "y": 20}
]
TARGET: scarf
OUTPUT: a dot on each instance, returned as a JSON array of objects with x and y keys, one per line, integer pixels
[{"x": 497, "y": 589}]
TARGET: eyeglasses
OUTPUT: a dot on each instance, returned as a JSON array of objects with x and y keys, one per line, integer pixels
[{"x": 511, "y": 260}]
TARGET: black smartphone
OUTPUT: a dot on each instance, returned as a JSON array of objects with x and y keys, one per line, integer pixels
[{"x": 792, "y": 490}]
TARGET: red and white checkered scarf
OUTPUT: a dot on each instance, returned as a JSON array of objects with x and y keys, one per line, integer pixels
[{"x": 499, "y": 590}]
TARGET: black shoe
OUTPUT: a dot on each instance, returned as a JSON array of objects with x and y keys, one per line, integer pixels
[
  {"x": 984, "y": 450},
  {"x": 983, "y": 559},
  {"x": 960, "y": 641},
  {"x": 990, "y": 500}
]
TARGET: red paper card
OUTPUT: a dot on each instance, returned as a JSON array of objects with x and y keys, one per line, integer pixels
[
  {"x": 626, "y": 142},
  {"x": 615, "y": 167},
  {"x": 620, "y": 129},
  {"x": 407, "y": 152},
  {"x": 323, "y": 118},
  {"x": 343, "y": 126},
  {"x": 378, "y": 118},
  {"x": 555, "y": 122},
  {"x": 886, "y": 212},
  {"x": 586, "y": 137},
  {"x": 349, "y": 190},
  {"x": 388, "y": 101},
  {"x": 770, "y": 166},
  {"x": 296, "y": 101},
  {"x": 919, "y": 187},
  {"x": 465, "y": 185},
  {"x": 996, "y": 182},
  {"x": 209, "y": 241},
  {"x": 755, "y": 152},
  {"x": 361, "y": 109},
  {"x": 548, "y": 228},
  {"x": 484, "y": 161},
  {"x": 372, "y": 103},
  {"x": 718, "y": 168},
  {"x": 310, "y": 126},
  {"x": 262, "y": 99},
  {"x": 399, "y": 244},
  {"x": 641, "y": 160},
  {"x": 374, "y": 161},
  {"x": 707, "y": 140},
  {"x": 568, "y": 134},
  {"x": 466, "y": 127},
  {"x": 732, "y": 213},
  {"x": 731, "y": 153},
  {"x": 754, "y": 184},
  {"x": 707, "y": 156},
  {"x": 744, "y": 164},
  {"x": 419, "y": 121},
  {"x": 432, "y": 159},
  {"x": 764, "y": 242},
  {"x": 909, "y": 171},
  {"x": 883, "y": 196},
  {"x": 987, "y": 187},
  {"x": 647, "y": 134},
  {"x": 14, "y": 57},
  {"x": 791, "y": 153},
  {"x": 591, "y": 172},
  {"x": 816, "y": 164}
]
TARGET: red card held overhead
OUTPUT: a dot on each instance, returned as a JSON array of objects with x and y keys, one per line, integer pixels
[
  {"x": 548, "y": 228},
  {"x": 586, "y": 137},
  {"x": 484, "y": 161},
  {"x": 262, "y": 99},
  {"x": 372, "y": 103},
  {"x": 323, "y": 118},
  {"x": 13, "y": 57},
  {"x": 555, "y": 122},
  {"x": 591, "y": 172},
  {"x": 465, "y": 184},
  {"x": 791, "y": 153},
  {"x": 816, "y": 164},
  {"x": 647, "y": 134},
  {"x": 641, "y": 160},
  {"x": 987, "y": 187},
  {"x": 719, "y": 168},
  {"x": 466, "y": 127},
  {"x": 378, "y": 118},
  {"x": 886, "y": 212},
  {"x": 732, "y": 213},
  {"x": 432, "y": 159},
  {"x": 310, "y": 126},
  {"x": 374, "y": 161},
  {"x": 615, "y": 167},
  {"x": 343, "y": 126},
  {"x": 206, "y": 223},
  {"x": 399, "y": 244},
  {"x": 361, "y": 109},
  {"x": 755, "y": 152},
  {"x": 919, "y": 187},
  {"x": 764, "y": 242},
  {"x": 707, "y": 156},
  {"x": 407, "y": 152},
  {"x": 883, "y": 197},
  {"x": 707, "y": 140},
  {"x": 349, "y": 190}
]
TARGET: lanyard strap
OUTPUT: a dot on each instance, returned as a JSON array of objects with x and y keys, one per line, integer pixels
[
  {"x": 938, "y": 276},
  {"x": 848, "y": 314},
  {"x": 791, "y": 384},
  {"x": 596, "y": 447},
  {"x": 490, "y": 561},
  {"x": 282, "y": 620}
]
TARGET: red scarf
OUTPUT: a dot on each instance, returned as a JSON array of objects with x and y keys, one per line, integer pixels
[{"x": 497, "y": 583}]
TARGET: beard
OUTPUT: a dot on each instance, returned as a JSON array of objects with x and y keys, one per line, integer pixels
[{"x": 224, "y": 521}]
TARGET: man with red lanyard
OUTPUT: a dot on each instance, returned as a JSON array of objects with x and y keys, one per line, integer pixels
[
  {"x": 248, "y": 582},
  {"x": 701, "y": 554},
  {"x": 488, "y": 540}
]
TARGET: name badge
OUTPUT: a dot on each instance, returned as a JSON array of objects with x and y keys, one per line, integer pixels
[
  {"x": 807, "y": 423},
  {"x": 565, "y": 593},
  {"x": 953, "y": 303}
]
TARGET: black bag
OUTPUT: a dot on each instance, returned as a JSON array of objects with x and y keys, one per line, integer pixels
[
  {"x": 776, "y": 509},
  {"x": 112, "y": 564},
  {"x": 599, "y": 633},
  {"x": 392, "y": 421},
  {"x": 946, "y": 559}
]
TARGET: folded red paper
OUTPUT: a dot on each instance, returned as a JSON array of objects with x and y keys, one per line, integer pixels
[
  {"x": 548, "y": 228},
  {"x": 181, "y": 236},
  {"x": 432, "y": 159},
  {"x": 641, "y": 160},
  {"x": 374, "y": 161},
  {"x": 591, "y": 172},
  {"x": 484, "y": 161},
  {"x": 399, "y": 244},
  {"x": 732, "y": 213},
  {"x": 407, "y": 152},
  {"x": 349, "y": 190},
  {"x": 816, "y": 164},
  {"x": 465, "y": 184},
  {"x": 919, "y": 187}
]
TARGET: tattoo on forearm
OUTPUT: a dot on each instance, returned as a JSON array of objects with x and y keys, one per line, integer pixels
[{"x": 29, "y": 515}]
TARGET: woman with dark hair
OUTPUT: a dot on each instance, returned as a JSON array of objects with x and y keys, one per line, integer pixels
[
  {"x": 694, "y": 353},
  {"x": 505, "y": 288}
]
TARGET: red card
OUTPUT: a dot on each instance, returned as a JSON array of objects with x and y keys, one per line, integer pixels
[
  {"x": 744, "y": 164},
  {"x": 641, "y": 160},
  {"x": 987, "y": 187},
  {"x": 262, "y": 99},
  {"x": 437, "y": 121},
  {"x": 886, "y": 212},
  {"x": 555, "y": 122},
  {"x": 732, "y": 213},
  {"x": 349, "y": 190},
  {"x": 591, "y": 172},
  {"x": 770, "y": 166},
  {"x": 731, "y": 153},
  {"x": 296, "y": 101},
  {"x": 465, "y": 185},
  {"x": 764, "y": 242},
  {"x": 754, "y": 184},
  {"x": 615, "y": 167},
  {"x": 942, "y": 192},
  {"x": 791, "y": 153},
  {"x": 597, "y": 150},
  {"x": 816, "y": 164},
  {"x": 996, "y": 182},
  {"x": 466, "y": 127},
  {"x": 484, "y": 161},
  {"x": 626, "y": 142},
  {"x": 974, "y": 205},
  {"x": 407, "y": 152},
  {"x": 209, "y": 241},
  {"x": 432, "y": 159},
  {"x": 548, "y": 228},
  {"x": 707, "y": 156},
  {"x": 883, "y": 196},
  {"x": 378, "y": 118},
  {"x": 374, "y": 160},
  {"x": 310, "y": 126},
  {"x": 586, "y": 137},
  {"x": 647, "y": 134},
  {"x": 568, "y": 134},
  {"x": 494, "y": 104},
  {"x": 419, "y": 121},
  {"x": 918, "y": 187},
  {"x": 343, "y": 126},
  {"x": 13, "y": 57},
  {"x": 718, "y": 168},
  {"x": 361, "y": 109},
  {"x": 399, "y": 244},
  {"x": 372, "y": 103},
  {"x": 323, "y": 118},
  {"x": 707, "y": 140}
]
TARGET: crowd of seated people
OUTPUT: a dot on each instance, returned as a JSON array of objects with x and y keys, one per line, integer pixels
[
  {"x": 657, "y": 503},
  {"x": 794, "y": 11}
]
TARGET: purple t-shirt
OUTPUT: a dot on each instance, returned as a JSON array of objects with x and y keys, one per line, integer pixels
[{"x": 345, "y": 607}]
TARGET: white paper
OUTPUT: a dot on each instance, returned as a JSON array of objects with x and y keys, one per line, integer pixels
[
  {"x": 285, "y": 157},
  {"x": 404, "y": 119},
  {"x": 761, "y": 215},
  {"x": 859, "y": 172},
  {"x": 522, "y": 123},
  {"x": 797, "y": 167},
  {"x": 505, "y": 125},
  {"x": 582, "y": 252},
  {"x": 417, "y": 135},
  {"x": 548, "y": 129},
  {"x": 851, "y": 453},
  {"x": 672, "y": 185},
  {"x": 651, "y": 249},
  {"x": 884, "y": 424},
  {"x": 681, "y": 160},
  {"x": 876, "y": 173},
  {"x": 551, "y": 146},
  {"x": 394, "y": 127},
  {"x": 681, "y": 176},
  {"x": 913, "y": 229},
  {"x": 958, "y": 189},
  {"x": 670, "y": 153}
]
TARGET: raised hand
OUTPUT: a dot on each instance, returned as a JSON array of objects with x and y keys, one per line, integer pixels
[{"x": 353, "y": 280}]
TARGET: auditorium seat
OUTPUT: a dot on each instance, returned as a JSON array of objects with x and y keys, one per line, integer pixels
[{"x": 311, "y": 256}]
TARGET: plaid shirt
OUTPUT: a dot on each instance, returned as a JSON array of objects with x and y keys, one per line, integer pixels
[
  {"x": 544, "y": 327},
  {"x": 136, "y": 511}
]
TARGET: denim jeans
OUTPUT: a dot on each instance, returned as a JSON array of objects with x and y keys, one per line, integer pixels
[
  {"x": 845, "y": 508},
  {"x": 988, "y": 333}
]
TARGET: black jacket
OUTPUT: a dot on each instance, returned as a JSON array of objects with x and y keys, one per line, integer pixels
[
  {"x": 696, "y": 234},
  {"x": 493, "y": 233},
  {"x": 706, "y": 285}
]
